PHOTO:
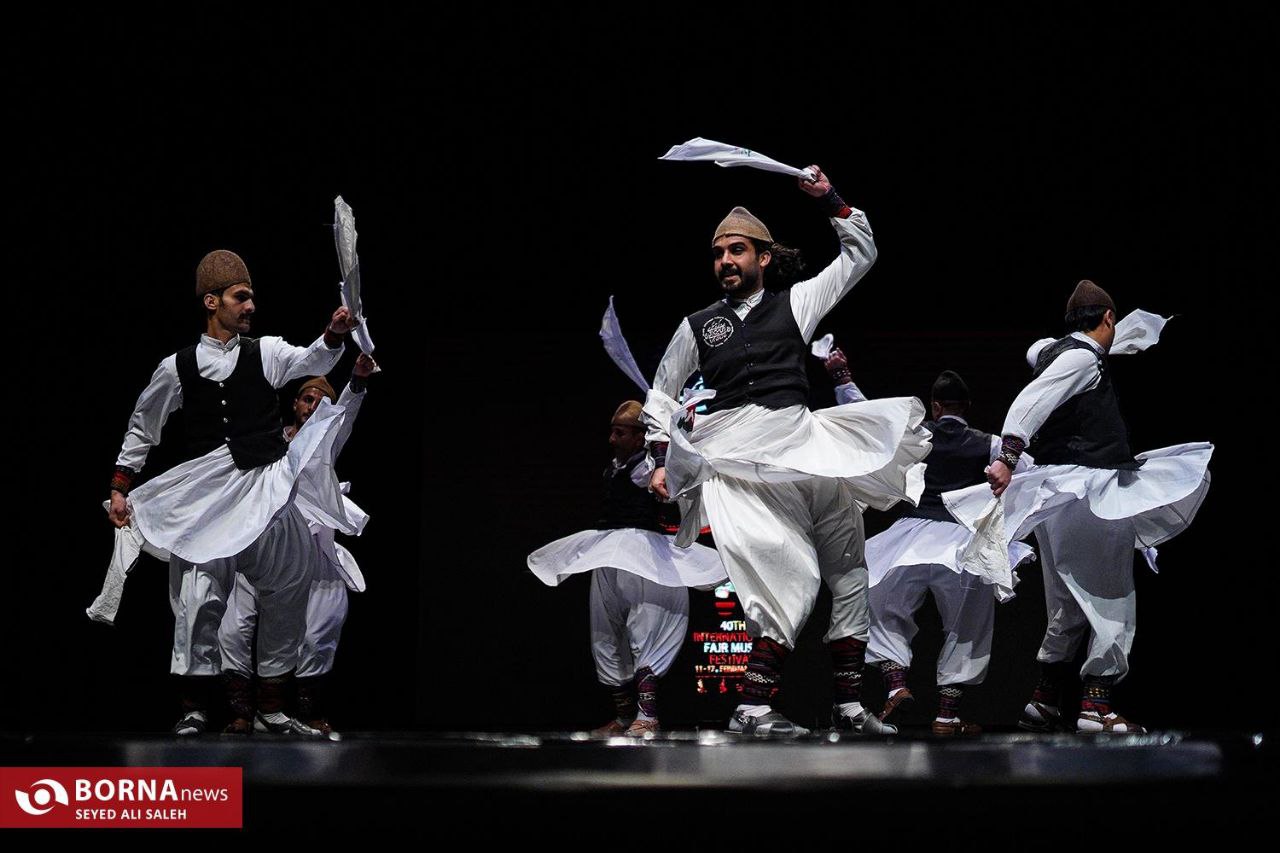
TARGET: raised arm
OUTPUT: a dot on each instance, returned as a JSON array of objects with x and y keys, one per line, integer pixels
[
  {"x": 352, "y": 398},
  {"x": 282, "y": 362},
  {"x": 812, "y": 299}
]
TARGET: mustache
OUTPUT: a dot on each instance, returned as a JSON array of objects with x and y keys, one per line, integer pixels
[{"x": 727, "y": 271}]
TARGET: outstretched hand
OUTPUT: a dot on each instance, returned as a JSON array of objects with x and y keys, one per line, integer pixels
[
  {"x": 365, "y": 366},
  {"x": 342, "y": 322},
  {"x": 819, "y": 186}
]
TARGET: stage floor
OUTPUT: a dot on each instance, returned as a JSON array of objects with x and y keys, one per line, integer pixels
[{"x": 1165, "y": 782}]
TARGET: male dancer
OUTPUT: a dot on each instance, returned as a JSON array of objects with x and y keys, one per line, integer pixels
[
  {"x": 639, "y": 597},
  {"x": 231, "y": 506},
  {"x": 777, "y": 482},
  {"x": 1090, "y": 503},
  {"x": 921, "y": 553}
]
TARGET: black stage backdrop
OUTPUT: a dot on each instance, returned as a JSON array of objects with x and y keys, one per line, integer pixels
[{"x": 505, "y": 182}]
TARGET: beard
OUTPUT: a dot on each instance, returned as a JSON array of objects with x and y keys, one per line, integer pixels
[{"x": 746, "y": 285}]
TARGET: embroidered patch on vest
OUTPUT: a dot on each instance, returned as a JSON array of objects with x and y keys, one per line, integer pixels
[{"x": 716, "y": 331}]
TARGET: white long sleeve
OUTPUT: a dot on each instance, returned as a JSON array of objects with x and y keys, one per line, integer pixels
[
  {"x": 849, "y": 393},
  {"x": 351, "y": 400},
  {"x": 813, "y": 298},
  {"x": 282, "y": 361},
  {"x": 157, "y": 401}
]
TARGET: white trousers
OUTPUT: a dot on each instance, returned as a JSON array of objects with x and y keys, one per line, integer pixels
[
  {"x": 779, "y": 541},
  {"x": 967, "y": 608},
  {"x": 1088, "y": 589},
  {"x": 327, "y": 605},
  {"x": 279, "y": 564},
  {"x": 635, "y": 623}
]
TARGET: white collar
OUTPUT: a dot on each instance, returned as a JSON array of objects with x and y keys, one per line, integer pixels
[
  {"x": 219, "y": 345},
  {"x": 954, "y": 418},
  {"x": 1083, "y": 337},
  {"x": 753, "y": 300}
]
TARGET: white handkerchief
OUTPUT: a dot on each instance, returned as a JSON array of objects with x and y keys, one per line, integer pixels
[
  {"x": 987, "y": 552},
  {"x": 822, "y": 346},
  {"x": 344, "y": 238},
  {"x": 125, "y": 551},
  {"x": 616, "y": 346},
  {"x": 686, "y": 468},
  {"x": 1137, "y": 331},
  {"x": 730, "y": 155}
]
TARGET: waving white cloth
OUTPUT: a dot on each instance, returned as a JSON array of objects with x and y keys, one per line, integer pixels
[
  {"x": 128, "y": 547},
  {"x": 730, "y": 155},
  {"x": 344, "y": 237},
  {"x": 616, "y": 346},
  {"x": 988, "y": 552},
  {"x": 821, "y": 348}
]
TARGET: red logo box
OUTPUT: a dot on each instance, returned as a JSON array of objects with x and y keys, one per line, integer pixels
[{"x": 105, "y": 797}]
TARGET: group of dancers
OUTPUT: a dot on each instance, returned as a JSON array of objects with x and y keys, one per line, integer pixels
[
  {"x": 258, "y": 584},
  {"x": 783, "y": 490}
]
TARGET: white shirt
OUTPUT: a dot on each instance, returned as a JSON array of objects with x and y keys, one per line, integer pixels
[
  {"x": 215, "y": 360},
  {"x": 811, "y": 300},
  {"x": 849, "y": 393},
  {"x": 1073, "y": 372}
]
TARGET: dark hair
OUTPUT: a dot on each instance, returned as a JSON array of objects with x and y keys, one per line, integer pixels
[
  {"x": 1084, "y": 319},
  {"x": 219, "y": 292},
  {"x": 950, "y": 391},
  {"x": 786, "y": 267}
]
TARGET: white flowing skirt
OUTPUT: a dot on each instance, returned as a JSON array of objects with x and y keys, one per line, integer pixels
[
  {"x": 924, "y": 541},
  {"x": 207, "y": 508},
  {"x": 876, "y": 446},
  {"x": 771, "y": 481},
  {"x": 1161, "y": 498},
  {"x": 644, "y": 553}
]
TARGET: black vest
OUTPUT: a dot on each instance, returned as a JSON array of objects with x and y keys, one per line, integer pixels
[
  {"x": 958, "y": 460},
  {"x": 242, "y": 411},
  {"x": 758, "y": 360},
  {"x": 625, "y": 503},
  {"x": 1087, "y": 429}
]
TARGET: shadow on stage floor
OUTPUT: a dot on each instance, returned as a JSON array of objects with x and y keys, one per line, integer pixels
[{"x": 1001, "y": 789}]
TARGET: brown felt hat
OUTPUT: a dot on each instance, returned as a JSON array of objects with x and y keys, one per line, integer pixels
[
  {"x": 321, "y": 383},
  {"x": 740, "y": 221},
  {"x": 218, "y": 269},
  {"x": 628, "y": 415},
  {"x": 1088, "y": 294}
]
